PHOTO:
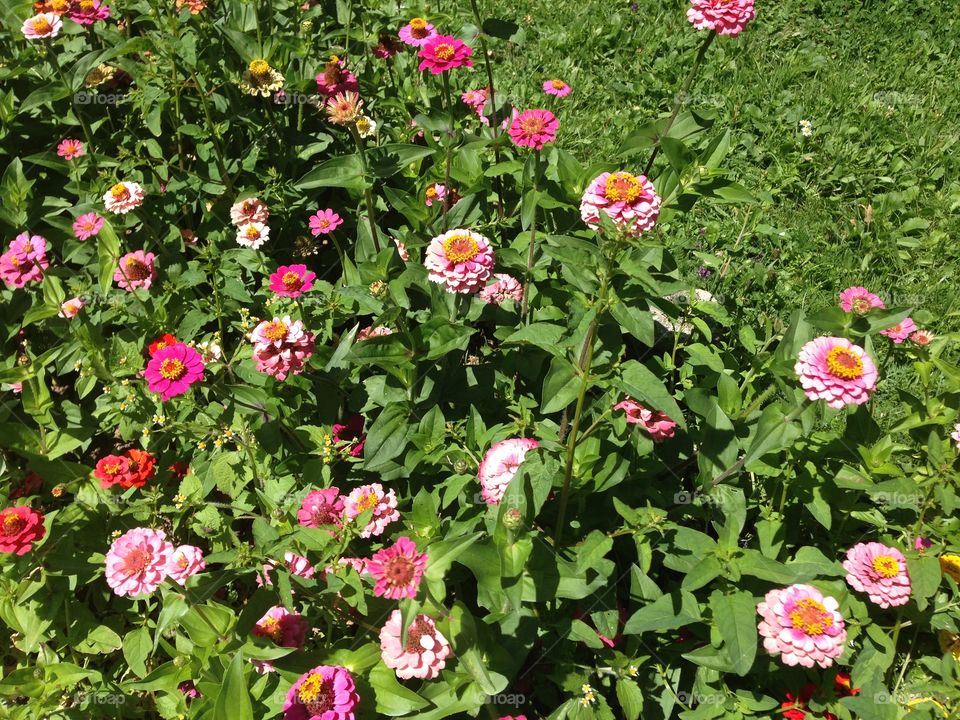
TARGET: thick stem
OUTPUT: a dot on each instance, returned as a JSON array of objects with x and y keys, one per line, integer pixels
[
  {"x": 449, "y": 160},
  {"x": 531, "y": 250},
  {"x": 367, "y": 191}
]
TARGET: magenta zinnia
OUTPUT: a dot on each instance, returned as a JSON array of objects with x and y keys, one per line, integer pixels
[
  {"x": 321, "y": 507},
  {"x": 461, "y": 260},
  {"x": 879, "y": 571},
  {"x": 802, "y": 626},
  {"x": 444, "y": 52},
  {"x": 417, "y": 32},
  {"x": 327, "y": 692},
  {"x": 630, "y": 201},
  {"x": 534, "y": 129},
  {"x": 24, "y": 261},
  {"x": 725, "y": 17},
  {"x": 173, "y": 369},
  {"x": 397, "y": 570},
  {"x": 422, "y": 656},
  {"x": 836, "y": 370},
  {"x": 292, "y": 280},
  {"x": 87, "y": 226}
]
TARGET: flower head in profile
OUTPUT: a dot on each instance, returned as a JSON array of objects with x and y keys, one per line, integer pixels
[
  {"x": 320, "y": 508},
  {"x": 859, "y": 300},
  {"x": 372, "y": 497},
  {"x": 20, "y": 527},
  {"x": 504, "y": 287},
  {"x": 335, "y": 78},
  {"x": 327, "y": 692},
  {"x": 879, "y": 571},
  {"x": 70, "y": 149},
  {"x": 285, "y": 628},
  {"x": 725, "y": 17},
  {"x": 837, "y": 371},
  {"x": 397, "y": 570},
  {"x": 556, "y": 87},
  {"x": 922, "y": 338},
  {"x": 43, "y": 25},
  {"x": 802, "y": 626},
  {"x": 137, "y": 561},
  {"x": 955, "y": 435},
  {"x": 261, "y": 79},
  {"x": 534, "y": 128},
  {"x": 372, "y": 332},
  {"x": 185, "y": 561},
  {"x": 461, "y": 260},
  {"x": 69, "y": 309},
  {"x": 135, "y": 270},
  {"x": 173, "y": 370},
  {"x": 500, "y": 465},
  {"x": 87, "y": 12},
  {"x": 658, "y": 424},
  {"x": 424, "y": 653},
  {"x": 444, "y": 52},
  {"x": 251, "y": 210},
  {"x": 87, "y": 226},
  {"x": 292, "y": 280},
  {"x": 417, "y": 32},
  {"x": 123, "y": 197},
  {"x": 344, "y": 108},
  {"x": 323, "y": 222},
  {"x": 901, "y": 331},
  {"x": 253, "y": 235},
  {"x": 630, "y": 201}
]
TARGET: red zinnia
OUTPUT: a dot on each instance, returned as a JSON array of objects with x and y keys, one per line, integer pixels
[
  {"x": 20, "y": 527},
  {"x": 165, "y": 340}
]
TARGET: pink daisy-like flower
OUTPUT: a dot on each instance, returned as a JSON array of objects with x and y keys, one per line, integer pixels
[
  {"x": 955, "y": 435},
  {"x": 534, "y": 129},
  {"x": 802, "y": 626},
  {"x": 173, "y": 369},
  {"x": 281, "y": 347},
  {"x": 87, "y": 226},
  {"x": 879, "y": 571},
  {"x": 630, "y": 201},
  {"x": 372, "y": 332},
  {"x": 424, "y": 654},
  {"x": 20, "y": 527},
  {"x": 44, "y": 25},
  {"x": 186, "y": 561},
  {"x": 320, "y": 508},
  {"x": 335, "y": 78},
  {"x": 285, "y": 628},
  {"x": 460, "y": 260},
  {"x": 135, "y": 270},
  {"x": 836, "y": 370},
  {"x": 435, "y": 192},
  {"x": 24, "y": 261},
  {"x": 922, "y": 338},
  {"x": 292, "y": 280},
  {"x": 725, "y": 17},
  {"x": 417, "y": 32},
  {"x": 295, "y": 564},
  {"x": 397, "y": 570},
  {"x": 901, "y": 331},
  {"x": 137, "y": 561},
  {"x": 556, "y": 87},
  {"x": 475, "y": 99},
  {"x": 253, "y": 235},
  {"x": 327, "y": 692},
  {"x": 123, "y": 197},
  {"x": 251, "y": 210},
  {"x": 505, "y": 287},
  {"x": 372, "y": 497},
  {"x": 324, "y": 221},
  {"x": 656, "y": 423},
  {"x": 69, "y": 149},
  {"x": 87, "y": 12},
  {"x": 69, "y": 309},
  {"x": 500, "y": 465},
  {"x": 444, "y": 52},
  {"x": 859, "y": 300},
  {"x": 358, "y": 564}
]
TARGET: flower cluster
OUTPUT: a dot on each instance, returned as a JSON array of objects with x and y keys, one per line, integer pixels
[
  {"x": 132, "y": 469},
  {"x": 141, "y": 559},
  {"x": 24, "y": 261}
]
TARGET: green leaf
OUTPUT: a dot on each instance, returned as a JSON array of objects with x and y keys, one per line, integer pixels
[
  {"x": 388, "y": 160},
  {"x": 735, "y": 618},
  {"x": 345, "y": 171},
  {"x": 630, "y": 698},
  {"x": 233, "y": 701},
  {"x": 137, "y": 646},
  {"x": 387, "y": 437},
  {"x": 393, "y": 699},
  {"x": 667, "y": 613},
  {"x": 560, "y": 386},
  {"x": 108, "y": 254},
  {"x": 503, "y": 29},
  {"x": 643, "y": 386},
  {"x": 440, "y": 555}
]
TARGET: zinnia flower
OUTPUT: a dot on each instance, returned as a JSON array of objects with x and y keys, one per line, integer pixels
[
  {"x": 417, "y": 32},
  {"x": 836, "y": 370},
  {"x": 327, "y": 692},
  {"x": 71, "y": 308},
  {"x": 950, "y": 565},
  {"x": 500, "y": 464},
  {"x": 195, "y": 6},
  {"x": 435, "y": 192},
  {"x": 901, "y": 331},
  {"x": 161, "y": 342},
  {"x": 137, "y": 561},
  {"x": 321, "y": 507},
  {"x": 132, "y": 469},
  {"x": 386, "y": 46},
  {"x": 323, "y": 222},
  {"x": 372, "y": 497},
  {"x": 879, "y": 571},
  {"x": 135, "y": 270},
  {"x": 349, "y": 437},
  {"x": 655, "y": 422},
  {"x": 292, "y": 280},
  {"x": 20, "y": 527},
  {"x": 422, "y": 656},
  {"x": 281, "y": 347},
  {"x": 534, "y": 129},
  {"x": 955, "y": 435},
  {"x": 186, "y": 561},
  {"x": 28, "y": 485},
  {"x": 173, "y": 369},
  {"x": 261, "y": 79},
  {"x": 505, "y": 287},
  {"x": 44, "y": 25},
  {"x": 630, "y": 201},
  {"x": 251, "y": 210},
  {"x": 725, "y": 17},
  {"x": 859, "y": 300},
  {"x": 123, "y": 197},
  {"x": 444, "y": 52},
  {"x": 461, "y": 260},
  {"x": 69, "y": 149},
  {"x": 402, "y": 250},
  {"x": 87, "y": 226},
  {"x": 253, "y": 235},
  {"x": 344, "y": 108},
  {"x": 366, "y": 127},
  {"x": 802, "y": 626},
  {"x": 87, "y": 12},
  {"x": 285, "y": 628},
  {"x": 556, "y": 87},
  {"x": 922, "y": 338},
  {"x": 397, "y": 570},
  {"x": 335, "y": 78},
  {"x": 24, "y": 261}
]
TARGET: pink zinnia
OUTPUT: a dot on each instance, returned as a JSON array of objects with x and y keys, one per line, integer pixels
[
  {"x": 327, "y": 692},
  {"x": 281, "y": 347},
  {"x": 534, "y": 129},
  {"x": 251, "y": 210},
  {"x": 444, "y": 52},
  {"x": 901, "y": 331},
  {"x": 173, "y": 369},
  {"x": 335, "y": 78},
  {"x": 500, "y": 465},
  {"x": 859, "y": 300},
  {"x": 295, "y": 564},
  {"x": 123, "y": 197},
  {"x": 921, "y": 543},
  {"x": 475, "y": 99},
  {"x": 44, "y": 25},
  {"x": 20, "y": 527},
  {"x": 658, "y": 424},
  {"x": 397, "y": 570},
  {"x": 556, "y": 87},
  {"x": 630, "y": 201},
  {"x": 137, "y": 561},
  {"x": 186, "y": 561},
  {"x": 372, "y": 332},
  {"x": 372, "y": 497},
  {"x": 879, "y": 571},
  {"x": 292, "y": 280},
  {"x": 802, "y": 626},
  {"x": 505, "y": 287},
  {"x": 922, "y": 338},
  {"x": 324, "y": 221},
  {"x": 836, "y": 370},
  {"x": 321, "y": 507},
  {"x": 69, "y": 309},
  {"x": 253, "y": 235},
  {"x": 402, "y": 250},
  {"x": 87, "y": 226},
  {"x": 285, "y": 628},
  {"x": 69, "y": 149},
  {"x": 435, "y": 192},
  {"x": 955, "y": 435},
  {"x": 417, "y": 32},
  {"x": 348, "y": 436},
  {"x": 461, "y": 260},
  {"x": 88, "y": 12},
  {"x": 424, "y": 654},
  {"x": 725, "y": 17},
  {"x": 24, "y": 261},
  {"x": 135, "y": 270}
]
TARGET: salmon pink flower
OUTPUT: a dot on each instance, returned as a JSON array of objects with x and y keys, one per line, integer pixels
[
  {"x": 658, "y": 424},
  {"x": 285, "y": 628},
  {"x": 836, "y": 370},
  {"x": 372, "y": 497},
  {"x": 185, "y": 561},
  {"x": 20, "y": 527},
  {"x": 922, "y": 338},
  {"x": 444, "y": 52},
  {"x": 397, "y": 570},
  {"x": 556, "y": 87},
  {"x": 505, "y": 287},
  {"x": 253, "y": 235},
  {"x": 500, "y": 465},
  {"x": 69, "y": 149},
  {"x": 320, "y": 508},
  {"x": 251, "y": 210},
  {"x": 475, "y": 99},
  {"x": 165, "y": 340},
  {"x": 44, "y": 25},
  {"x": 859, "y": 300},
  {"x": 173, "y": 369},
  {"x": 87, "y": 226},
  {"x": 195, "y": 6},
  {"x": 802, "y": 626},
  {"x": 335, "y": 78},
  {"x": 879, "y": 571},
  {"x": 630, "y": 201},
  {"x": 901, "y": 331},
  {"x": 281, "y": 347},
  {"x": 423, "y": 655},
  {"x": 725, "y": 17},
  {"x": 460, "y": 260},
  {"x": 327, "y": 692},
  {"x": 292, "y": 280},
  {"x": 137, "y": 561},
  {"x": 417, "y": 32},
  {"x": 323, "y": 222},
  {"x": 87, "y": 12},
  {"x": 71, "y": 308},
  {"x": 344, "y": 108},
  {"x": 132, "y": 469},
  {"x": 534, "y": 129},
  {"x": 123, "y": 197},
  {"x": 135, "y": 270}
]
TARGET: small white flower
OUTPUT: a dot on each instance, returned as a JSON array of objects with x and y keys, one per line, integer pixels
[
  {"x": 253, "y": 235},
  {"x": 366, "y": 127}
]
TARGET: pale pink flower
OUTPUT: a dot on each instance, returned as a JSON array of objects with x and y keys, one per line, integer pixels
[
  {"x": 281, "y": 347},
  {"x": 922, "y": 338},
  {"x": 137, "y": 561},
  {"x": 71, "y": 308},
  {"x": 397, "y": 570},
  {"x": 658, "y": 424},
  {"x": 901, "y": 331},
  {"x": 251, "y": 210},
  {"x": 372, "y": 332},
  {"x": 186, "y": 561},
  {"x": 135, "y": 270},
  {"x": 534, "y": 128},
  {"x": 556, "y": 87},
  {"x": 417, "y": 32},
  {"x": 630, "y": 201},
  {"x": 476, "y": 100},
  {"x": 87, "y": 226},
  {"x": 253, "y": 235},
  {"x": 879, "y": 571},
  {"x": 802, "y": 626},
  {"x": 372, "y": 497},
  {"x": 69, "y": 149},
  {"x": 327, "y": 692},
  {"x": 955, "y": 435},
  {"x": 505, "y": 287},
  {"x": 424, "y": 654},
  {"x": 500, "y": 465},
  {"x": 123, "y": 197},
  {"x": 859, "y": 300},
  {"x": 725, "y": 17},
  {"x": 285, "y": 628},
  {"x": 323, "y": 222},
  {"x": 460, "y": 260},
  {"x": 836, "y": 370},
  {"x": 44, "y": 25},
  {"x": 320, "y": 508}
]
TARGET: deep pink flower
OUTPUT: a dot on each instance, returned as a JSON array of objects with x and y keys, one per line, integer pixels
[
  {"x": 87, "y": 226},
  {"x": 397, "y": 570},
  {"x": 186, "y": 561},
  {"x": 802, "y": 626},
  {"x": 20, "y": 527},
  {"x": 372, "y": 497},
  {"x": 321, "y": 507},
  {"x": 88, "y": 12},
  {"x": 500, "y": 465},
  {"x": 836, "y": 370},
  {"x": 921, "y": 543},
  {"x": 461, "y": 260},
  {"x": 251, "y": 210},
  {"x": 173, "y": 369},
  {"x": 324, "y": 221},
  {"x": 292, "y": 280},
  {"x": 281, "y": 347},
  {"x": 630, "y": 201},
  {"x": 417, "y": 32},
  {"x": 859, "y": 300},
  {"x": 901, "y": 331},
  {"x": 24, "y": 261},
  {"x": 123, "y": 197},
  {"x": 137, "y": 561},
  {"x": 556, "y": 87},
  {"x": 69, "y": 149},
  {"x": 424, "y": 654},
  {"x": 69, "y": 309},
  {"x": 349, "y": 436},
  {"x": 658, "y": 424},
  {"x": 534, "y": 129},
  {"x": 444, "y": 52},
  {"x": 327, "y": 692},
  {"x": 285, "y": 628},
  {"x": 879, "y": 571},
  {"x": 335, "y": 78},
  {"x": 726, "y": 17},
  {"x": 44, "y": 25},
  {"x": 505, "y": 287}
]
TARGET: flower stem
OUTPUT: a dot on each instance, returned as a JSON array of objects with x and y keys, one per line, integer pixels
[
  {"x": 367, "y": 191},
  {"x": 449, "y": 160},
  {"x": 494, "y": 126},
  {"x": 531, "y": 250},
  {"x": 87, "y": 133}
]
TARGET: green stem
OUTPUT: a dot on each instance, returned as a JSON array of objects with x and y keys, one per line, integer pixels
[
  {"x": 494, "y": 125},
  {"x": 449, "y": 159},
  {"x": 367, "y": 191},
  {"x": 87, "y": 133},
  {"x": 214, "y": 133},
  {"x": 531, "y": 249}
]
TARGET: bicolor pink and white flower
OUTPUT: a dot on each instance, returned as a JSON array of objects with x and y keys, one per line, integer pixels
[
  {"x": 725, "y": 17},
  {"x": 630, "y": 201},
  {"x": 285, "y": 628},
  {"x": 397, "y": 570},
  {"x": 321, "y": 508},
  {"x": 372, "y": 332},
  {"x": 802, "y": 626},
  {"x": 136, "y": 270},
  {"x": 500, "y": 465},
  {"x": 327, "y": 692},
  {"x": 185, "y": 561},
  {"x": 417, "y": 32},
  {"x": 372, "y": 497},
  {"x": 123, "y": 197},
  {"x": 901, "y": 331},
  {"x": 87, "y": 226},
  {"x": 251, "y": 210},
  {"x": 69, "y": 309},
  {"x": 43, "y": 25},
  {"x": 879, "y": 571},
  {"x": 505, "y": 287},
  {"x": 837, "y": 371},
  {"x": 423, "y": 655},
  {"x": 859, "y": 300},
  {"x": 281, "y": 347},
  {"x": 173, "y": 370},
  {"x": 658, "y": 424},
  {"x": 292, "y": 280},
  {"x": 461, "y": 260},
  {"x": 137, "y": 561},
  {"x": 253, "y": 235}
]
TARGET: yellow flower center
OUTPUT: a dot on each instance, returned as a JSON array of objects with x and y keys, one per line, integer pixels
[
  {"x": 844, "y": 363},
  {"x": 111, "y": 469},
  {"x": 861, "y": 306},
  {"x": 15, "y": 261},
  {"x": 418, "y": 23},
  {"x": 810, "y": 617},
  {"x": 886, "y": 566},
  {"x": 259, "y": 70},
  {"x": 13, "y": 523},
  {"x": 532, "y": 124},
  {"x": 432, "y": 192},
  {"x": 60, "y": 6},
  {"x": 86, "y": 5},
  {"x": 291, "y": 281},
  {"x": 460, "y": 248},
  {"x": 42, "y": 26},
  {"x": 623, "y": 187},
  {"x": 445, "y": 51},
  {"x": 314, "y": 693},
  {"x": 363, "y": 125},
  {"x": 253, "y": 233},
  {"x": 418, "y": 28},
  {"x": 271, "y": 628},
  {"x": 366, "y": 502},
  {"x": 119, "y": 192},
  {"x": 950, "y": 564},
  {"x": 28, "y": 246},
  {"x": 557, "y": 84},
  {"x": 172, "y": 369},
  {"x": 275, "y": 331}
]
